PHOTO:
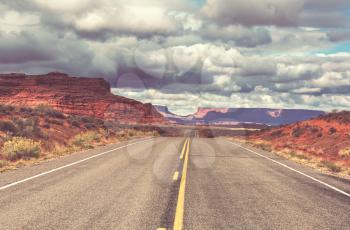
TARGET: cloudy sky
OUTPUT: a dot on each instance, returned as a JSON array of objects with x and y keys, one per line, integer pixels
[{"x": 189, "y": 54}]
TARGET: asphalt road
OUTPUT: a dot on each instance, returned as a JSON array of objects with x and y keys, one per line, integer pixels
[{"x": 133, "y": 186}]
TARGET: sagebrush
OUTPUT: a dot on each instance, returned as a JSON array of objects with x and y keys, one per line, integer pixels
[{"x": 20, "y": 147}]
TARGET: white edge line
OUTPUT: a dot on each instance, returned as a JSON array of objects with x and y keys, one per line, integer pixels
[
  {"x": 294, "y": 170},
  {"x": 68, "y": 165}
]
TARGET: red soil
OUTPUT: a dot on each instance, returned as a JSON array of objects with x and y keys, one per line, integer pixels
[{"x": 323, "y": 137}]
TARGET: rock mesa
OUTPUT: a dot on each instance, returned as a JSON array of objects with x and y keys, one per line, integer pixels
[{"x": 77, "y": 96}]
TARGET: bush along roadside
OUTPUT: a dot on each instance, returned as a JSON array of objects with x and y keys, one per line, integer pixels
[
  {"x": 20, "y": 151},
  {"x": 20, "y": 148},
  {"x": 302, "y": 157},
  {"x": 30, "y": 135}
]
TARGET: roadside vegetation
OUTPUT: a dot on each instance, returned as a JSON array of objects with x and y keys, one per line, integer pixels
[
  {"x": 303, "y": 157},
  {"x": 322, "y": 142},
  {"x": 31, "y": 135}
]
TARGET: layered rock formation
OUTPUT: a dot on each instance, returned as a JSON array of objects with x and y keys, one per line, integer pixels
[{"x": 77, "y": 96}]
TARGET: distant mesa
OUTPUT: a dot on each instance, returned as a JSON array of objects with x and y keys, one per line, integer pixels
[
  {"x": 75, "y": 95},
  {"x": 234, "y": 116}
]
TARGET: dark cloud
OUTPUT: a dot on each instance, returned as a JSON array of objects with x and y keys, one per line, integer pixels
[
  {"x": 287, "y": 13},
  {"x": 23, "y": 47},
  {"x": 338, "y": 36},
  {"x": 239, "y": 36}
]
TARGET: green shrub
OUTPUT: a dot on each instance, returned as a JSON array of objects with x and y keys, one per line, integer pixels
[
  {"x": 86, "y": 140},
  {"x": 20, "y": 147}
]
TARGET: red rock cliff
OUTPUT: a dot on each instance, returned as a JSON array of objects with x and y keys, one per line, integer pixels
[{"x": 73, "y": 95}]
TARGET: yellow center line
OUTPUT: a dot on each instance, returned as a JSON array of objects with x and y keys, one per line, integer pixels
[
  {"x": 183, "y": 149},
  {"x": 176, "y": 176},
  {"x": 179, "y": 214}
]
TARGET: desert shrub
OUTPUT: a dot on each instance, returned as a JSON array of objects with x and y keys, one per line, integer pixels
[
  {"x": 48, "y": 111},
  {"x": 8, "y": 126},
  {"x": 90, "y": 125},
  {"x": 3, "y": 163},
  {"x": 131, "y": 133},
  {"x": 314, "y": 130},
  {"x": 299, "y": 156},
  {"x": 331, "y": 166},
  {"x": 27, "y": 127},
  {"x": 86, "y": 140},
  {"x": 87, "y": 119},
  {"x": 6, "y": 109},
  {"x": 20, "y": 147},
  {"x": 297, "y": 132},
  {"x": 265, "y": 147},
  {"x": 155, "y": 133},
  {"x": 344, "y": 152},
  {"x": 57, "y": 122},
  {"x": 332, "y": 130},
  {"x": 277, "y": 133},
  {"x": 26, "y": 110},
  {"x": 74, "y": 120}
]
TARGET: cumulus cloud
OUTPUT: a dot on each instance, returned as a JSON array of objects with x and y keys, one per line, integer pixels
[{"x": 223, "y": 53}]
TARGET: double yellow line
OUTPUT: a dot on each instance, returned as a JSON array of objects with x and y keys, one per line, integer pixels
[{"x": 179, "y": 214}]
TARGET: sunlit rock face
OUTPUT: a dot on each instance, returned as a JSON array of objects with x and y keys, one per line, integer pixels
[{"x": 75, "y": 95}]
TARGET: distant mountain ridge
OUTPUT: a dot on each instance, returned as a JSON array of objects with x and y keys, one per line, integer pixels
[{"x": 234, "y": 116}]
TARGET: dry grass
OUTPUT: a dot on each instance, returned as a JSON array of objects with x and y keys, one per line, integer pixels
[
  {"x": 304, "y": 158},
  {"x": 3, "y": 163},
  {"x": 86, "y": 140},
  {"x": 80, "y": 142},
  {"x": 344, "y": 153},
  {"x": 331, "y": 166},
  {"x": 20, "y": 147}
]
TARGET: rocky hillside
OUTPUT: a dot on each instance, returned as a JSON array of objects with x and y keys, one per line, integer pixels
[
  {"x": 326, "y": 138},
  {"x": 75, "y": 96}
]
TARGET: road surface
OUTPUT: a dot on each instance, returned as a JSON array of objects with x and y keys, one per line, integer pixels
[{"x": 143, "y": 184}]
